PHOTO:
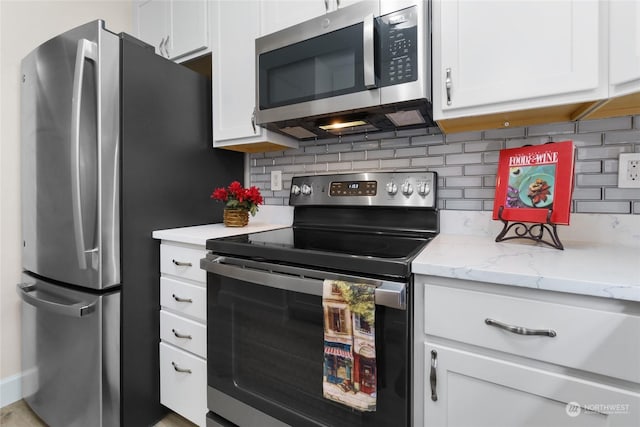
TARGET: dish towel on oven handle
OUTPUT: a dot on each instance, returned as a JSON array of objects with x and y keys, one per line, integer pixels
[{"x": 349, "y": 371}]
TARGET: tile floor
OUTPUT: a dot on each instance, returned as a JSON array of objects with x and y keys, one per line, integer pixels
[{"x": 18, "y": 414}]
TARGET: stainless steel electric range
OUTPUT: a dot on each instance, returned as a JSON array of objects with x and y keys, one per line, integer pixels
[{"x": 264, "y": 294}]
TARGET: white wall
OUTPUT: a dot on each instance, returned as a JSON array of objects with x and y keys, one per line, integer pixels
[{"x": 25, "y": 24}]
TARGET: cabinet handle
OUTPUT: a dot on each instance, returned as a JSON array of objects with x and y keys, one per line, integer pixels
[
  {"x": 166, "y": 50},
  {"x": 519, "y": 329},
  {"x": 160, "y": 46},
  {"x": 179, "y": 335},
  {"x": 432, "y": 376},
  {"x": 253, "y": 120},
  {"x": 448, "y": 85},
  {"x": 326, "y": 5},
  {"x": 181, "y": 299},
  {"x": 338, "y": 2},
  {"x": 179, "y": 369},
  {"x": 182, "y": 264}
]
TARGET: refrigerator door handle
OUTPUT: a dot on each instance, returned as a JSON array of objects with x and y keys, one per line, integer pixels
[
  {"x": 73, "y": 309},
  {"x": 86, "y": 50}
]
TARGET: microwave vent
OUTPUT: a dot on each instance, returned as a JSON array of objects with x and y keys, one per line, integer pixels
[
  {"x": 298, "y": 132},
  {"x": 406, "y": 118}
]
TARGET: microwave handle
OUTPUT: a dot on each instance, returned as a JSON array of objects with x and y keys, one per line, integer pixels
[{"x": 368, "y": 52}]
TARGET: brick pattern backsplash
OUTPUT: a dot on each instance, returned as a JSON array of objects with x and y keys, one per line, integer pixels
[{"x": 466, "y": 163}]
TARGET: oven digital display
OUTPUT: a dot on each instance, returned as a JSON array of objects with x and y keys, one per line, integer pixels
[{"x": 353, "y": 188}]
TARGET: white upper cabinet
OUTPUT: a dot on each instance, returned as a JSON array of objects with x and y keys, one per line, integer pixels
[
  {"x": 339, "y": 4},
  {"x": 177, "y": 28},
  {"x": 153, "y": 23},
  {"x": 624, "y": 47},
  {"x": 492, "y": 55},
  {"x": 235, "y": 28},
  {"x": 189, "y": 27},
  {"x": 278, "y": 14}
]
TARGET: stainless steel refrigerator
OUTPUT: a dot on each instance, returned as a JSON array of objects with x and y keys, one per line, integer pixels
[{"x": 116, "y": 142}]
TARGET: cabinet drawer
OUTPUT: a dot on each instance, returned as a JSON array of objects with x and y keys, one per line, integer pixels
[
  {"x": 593, "y": 340},
  {"x": 183, "y": 392},
  {"x": 184, "y": 298},
  {"x": 184, "y": 333},
  {"x": 182, "y": 261}
]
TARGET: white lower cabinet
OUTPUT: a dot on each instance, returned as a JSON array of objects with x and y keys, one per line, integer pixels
[
  {"x": 491, "y": 355},
  {"x": 482, "y": 391},
  {"x": 183, "y": 383},
  {"x": 183, "y": 331}
]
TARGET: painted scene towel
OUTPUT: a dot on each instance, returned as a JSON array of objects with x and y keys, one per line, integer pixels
[{"x": 349, "y": 374}]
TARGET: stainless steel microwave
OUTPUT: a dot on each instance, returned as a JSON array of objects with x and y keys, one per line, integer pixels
[{"x": 363, "y": 68}]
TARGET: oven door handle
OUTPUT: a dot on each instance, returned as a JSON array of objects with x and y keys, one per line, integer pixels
[{"x": 388, "y": 294}]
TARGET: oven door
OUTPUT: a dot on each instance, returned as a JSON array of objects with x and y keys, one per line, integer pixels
[
  {"x": 265, "y": 347},
  {"x": 318, "y": 67}
]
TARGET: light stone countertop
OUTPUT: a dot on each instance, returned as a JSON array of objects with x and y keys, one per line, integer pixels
[
  {"x": 199, "y": 234},
  {"x": 601, "y": 255},
  {"x": 267, "y": 218}
]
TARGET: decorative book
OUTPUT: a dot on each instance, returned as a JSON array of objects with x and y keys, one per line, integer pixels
[{"x": 535, "y": 183}]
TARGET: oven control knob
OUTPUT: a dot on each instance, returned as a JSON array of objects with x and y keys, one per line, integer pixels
[
  {"x": 295, "y": 190},
  {"x": 392, "y": 188},
  {"x": 423, "y": 188},
  {"x": 407, "y": 189},
  {"x": 306, "y": 190}
]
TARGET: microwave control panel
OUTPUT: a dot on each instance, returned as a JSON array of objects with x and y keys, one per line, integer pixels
[{"x": 398, "y": 38}]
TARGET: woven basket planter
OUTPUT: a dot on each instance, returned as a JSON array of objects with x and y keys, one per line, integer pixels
[{"x": 235, "y": 217}]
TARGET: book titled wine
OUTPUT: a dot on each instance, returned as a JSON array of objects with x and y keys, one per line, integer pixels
[{"x": 532, "y": 180}]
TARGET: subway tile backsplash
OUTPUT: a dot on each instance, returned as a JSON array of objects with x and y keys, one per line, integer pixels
[{"x": 466, "y": 163}]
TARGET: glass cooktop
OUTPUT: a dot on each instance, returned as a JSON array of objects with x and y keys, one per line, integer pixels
[{"x": 339, "y": 250}]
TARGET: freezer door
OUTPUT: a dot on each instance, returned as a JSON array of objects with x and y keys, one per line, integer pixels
[
  {"x": 70, "y": 140},
  {"x": 70, "y": 354}
]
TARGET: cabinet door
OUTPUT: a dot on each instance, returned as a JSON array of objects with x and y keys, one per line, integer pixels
[
  {"x": 236, "y": 26},
  {"x": 235, "y": 30},
  {"x": 278, "y": 14},
  {"x": 492, "y": 56},
  {"x": 624, "y": 47},
  {"x": 339, "y": 4},
  {"x": 190, "y": 27},
  {"x": 475, "y": 390},
  {"x": 152, "y": 20}
]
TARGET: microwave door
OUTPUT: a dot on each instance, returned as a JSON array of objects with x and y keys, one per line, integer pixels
[{"x": 318, "y": 67}]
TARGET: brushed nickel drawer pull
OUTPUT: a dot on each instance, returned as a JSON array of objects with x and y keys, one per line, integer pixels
[
  {"x": 181, "y": 299},
  {"x": 448, "y": 84},
  {"x": 432, "y": 376},
  {"x": 519, "y": 329},
  {"x": 182, "y": 264},
  {"x": 179, "y": 369},
  {"x": 179, "y": 335}
]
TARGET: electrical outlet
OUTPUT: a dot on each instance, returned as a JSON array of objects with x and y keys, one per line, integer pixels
[
  {"x": 629, "y": 170},
  {"x": 276, "y": 180}
]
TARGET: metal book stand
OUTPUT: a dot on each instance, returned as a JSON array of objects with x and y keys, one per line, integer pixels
[{"x": 535, "y": 232}]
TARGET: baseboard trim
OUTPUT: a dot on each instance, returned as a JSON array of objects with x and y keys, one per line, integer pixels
[{"x": 10, "y": 390}]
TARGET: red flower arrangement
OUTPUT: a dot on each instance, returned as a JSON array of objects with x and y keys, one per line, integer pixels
[{"x": 237, "y": 197}]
